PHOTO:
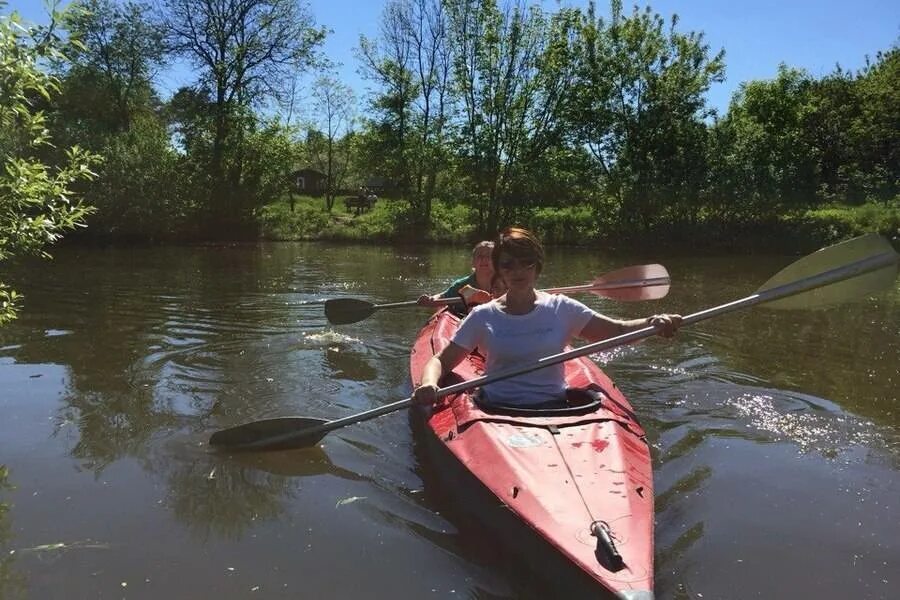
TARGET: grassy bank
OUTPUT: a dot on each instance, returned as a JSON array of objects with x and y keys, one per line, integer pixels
[{"x": 390, "y": 221}]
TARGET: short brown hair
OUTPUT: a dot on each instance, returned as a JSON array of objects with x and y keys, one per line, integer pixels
[{"x": 518, "y": 243}]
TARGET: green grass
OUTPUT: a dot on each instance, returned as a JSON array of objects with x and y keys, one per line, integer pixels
[
  {"x": 389, "y": 221},
  {"x": 393, "y": 221},
  {"x": 308, "y": 221},
  {"x": 840, "y": 222}
]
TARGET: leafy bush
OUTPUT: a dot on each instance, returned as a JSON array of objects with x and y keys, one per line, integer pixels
[
  {"x": 137, "y": 194},
  {"x": 838, "y": 222},
  {"x": 308, "y": 221},
  {"x": 569, "y": 225},
  {"x": 452, "y": 222},
  {"x": 37, "y": 204}
]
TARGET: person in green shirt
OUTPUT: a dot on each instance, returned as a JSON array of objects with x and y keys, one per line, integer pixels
[{"x": 477, "y": 287}]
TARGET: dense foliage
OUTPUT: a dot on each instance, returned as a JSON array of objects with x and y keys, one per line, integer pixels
[
  {"x": 587, "y": 124},
  {"x": 36, "y": 200}
]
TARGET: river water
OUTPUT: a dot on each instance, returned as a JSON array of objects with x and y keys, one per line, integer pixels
[{"x": 775, "y": 435}]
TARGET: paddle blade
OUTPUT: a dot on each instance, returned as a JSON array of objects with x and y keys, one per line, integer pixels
[
  {"x": 254, "y": 436},
  {"x": 632, "y": 284},
  {"x": 343, "y": 311},
  {"x": 834, "y": 257}
]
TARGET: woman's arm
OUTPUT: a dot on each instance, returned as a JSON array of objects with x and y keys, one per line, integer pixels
[
  {"x": 439, "y": 364},
  {"x": 450, "y": 292},
  {"x": 601, "y": 327},
  {"x": 426, "y": 300}
]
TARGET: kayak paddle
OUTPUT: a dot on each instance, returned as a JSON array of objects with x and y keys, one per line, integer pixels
[
  {"x": 831, "y": 275},
  {"x": 631, "y": 284}
]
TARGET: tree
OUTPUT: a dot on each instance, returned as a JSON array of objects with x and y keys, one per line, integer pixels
[
  {"x": 830, "y": 110},
  {"x": 387, "y": 62},
  {"x": 876, "y": 133},
  {"x": 411, "y": 62},
  {"x": 121, "y": 51},
  {"x": 427, "y": 28},
  {"x": 770, "y": 163},
  {"x": 36, "y": 200},
  {"x": 500, "y": 59},
  {"x": 246, "y": 51},
  {"x": 107, "y": 102},
  {"x": 640, "y": 108},
  {"x": 793, "y": 142},
  {"x": 275, "y": 153},
  {"x": 333, "y": 103}
]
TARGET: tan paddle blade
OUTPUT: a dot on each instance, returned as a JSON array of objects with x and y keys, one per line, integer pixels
[
  {"x": 631, "y": 284},
  {"x": 343, "y": 311},
  {"x": 248, "y": 435},
  {"x": 851, "y": 251}
]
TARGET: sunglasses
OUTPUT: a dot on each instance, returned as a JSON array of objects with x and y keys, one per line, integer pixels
[{"x": 508, "y": 264}]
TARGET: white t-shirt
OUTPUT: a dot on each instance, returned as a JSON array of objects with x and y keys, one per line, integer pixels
[{"x": 508, "y": 341}]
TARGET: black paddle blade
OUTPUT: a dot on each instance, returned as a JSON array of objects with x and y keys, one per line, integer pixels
[
  {"x": 282, "y": 433},
  {"x": 343, "y": 311}
]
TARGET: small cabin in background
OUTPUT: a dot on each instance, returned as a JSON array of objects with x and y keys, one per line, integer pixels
[{"x": 309, "y": 181}]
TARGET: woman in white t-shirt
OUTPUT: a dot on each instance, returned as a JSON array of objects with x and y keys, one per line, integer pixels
[{"x": 523, "y": 326}]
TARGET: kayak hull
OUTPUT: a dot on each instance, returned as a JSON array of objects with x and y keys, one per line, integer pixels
[{"x": 554, "y": 484}]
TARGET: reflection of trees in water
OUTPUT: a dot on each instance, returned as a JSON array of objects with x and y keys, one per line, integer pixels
[
  {"x": 694, "y": 438},
  {"x": 142, "y": 359},
  {"x": 112, "y": 427},
  {"x": 145, "y": 361},
  {"x": 671, "y": 554},
  {"x": 222, "y": 498},
  {"x": 684, "y": 487},
  {"x": 670, "y": 508},
  {"x": 12, "y": 583},
  {"x": 846, "y": 354},
  {"x": 224, "y": 495},
  {"x": 147, "y": 368}
]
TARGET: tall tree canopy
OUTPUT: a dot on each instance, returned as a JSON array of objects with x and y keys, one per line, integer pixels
[
  {"x": 640, "y": 107},
  {"x": 111, "y": 78},
  {"x": 245, "y": 51}
]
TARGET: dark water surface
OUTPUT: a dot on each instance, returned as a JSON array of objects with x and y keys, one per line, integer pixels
[{"x": 776, "y": 435}]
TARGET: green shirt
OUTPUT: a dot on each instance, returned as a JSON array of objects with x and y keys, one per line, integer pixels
[{"x": 453, "y": 290}]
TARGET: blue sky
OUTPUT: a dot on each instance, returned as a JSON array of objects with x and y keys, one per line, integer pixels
[{"x": 757, "y": 36}]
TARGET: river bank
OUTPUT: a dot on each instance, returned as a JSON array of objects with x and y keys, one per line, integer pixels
[{"x": 389, "y": 222}]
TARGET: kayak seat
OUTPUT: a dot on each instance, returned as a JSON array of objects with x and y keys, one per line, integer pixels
[
  {"x": 577, "y": 401},
  {"x": 577, "y": 397},
  {"x": 460, "y": 310}
]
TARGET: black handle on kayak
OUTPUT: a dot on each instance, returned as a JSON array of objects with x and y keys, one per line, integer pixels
[{"x": 606, "y": 551}]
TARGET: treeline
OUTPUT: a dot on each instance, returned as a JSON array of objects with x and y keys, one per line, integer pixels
[
  {"x": 513, "y": 111},
  {"x": 516, "y": 113}
]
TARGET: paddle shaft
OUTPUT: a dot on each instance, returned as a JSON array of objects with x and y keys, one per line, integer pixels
[
  {"x": 612, "y": 285},
  {"x": 866, "y": 265}
]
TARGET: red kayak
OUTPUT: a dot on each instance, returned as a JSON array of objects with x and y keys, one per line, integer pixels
[{"x": 579, "y": 479}]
